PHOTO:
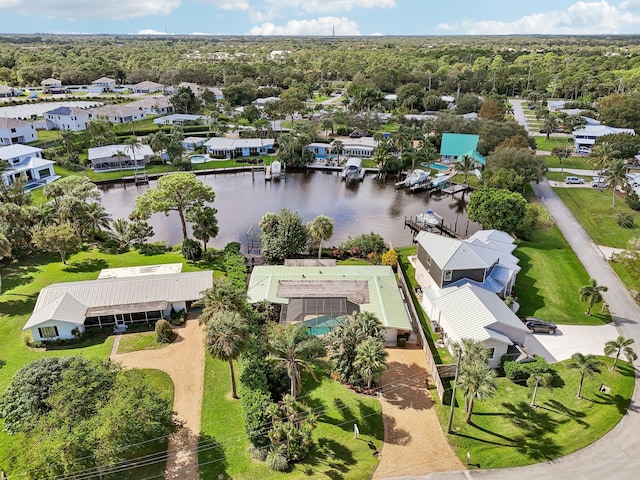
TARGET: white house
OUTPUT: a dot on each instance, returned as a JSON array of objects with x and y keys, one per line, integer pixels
[
  {"x": 261, "y": 102},
  {"x": 153, "y": 106},
  {"x": 471, "y": 312},
  {"x": 119, "y": 113},
  {"x": 6, "y": 91},
  {"x": 52, "y": 85},
  {"x": 103, "y": 84},
  {"x": 319, "y": 294},
  {"x": 119, "y": 157},
  {"x": 362, "y": 147},
  {"x": 181, "y": 119},
  {"x": 239, "y": 147},
  {"x": 191, "y": 143},
  {"x": 147, "y": 87},
  {"x": 25, "y": 161},
  {"x": 13, "y": 131},
  {"x": 68, "y": 118},
  {"x": 122, "y": 298},
  {"x": 585, "y": 137}
]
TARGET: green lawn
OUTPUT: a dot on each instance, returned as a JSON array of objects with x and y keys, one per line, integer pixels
[
  {"x": 548, "y": 145},
  {"x": 507, "y": 432},
  {"x": 21, "y": 284},
  {"x": 48, "y": 135},
  {"x": 320, "y": 98},
  {"x": 573, "y": 161},
  {"x": 132, "y": 342},
  {"x": 595, "y": 212},
  {"x": 551, "y": 275},
  {"x": 337, "y": 454}
]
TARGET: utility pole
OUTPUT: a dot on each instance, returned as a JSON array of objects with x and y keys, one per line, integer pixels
[{"x": 453, "y": 393}]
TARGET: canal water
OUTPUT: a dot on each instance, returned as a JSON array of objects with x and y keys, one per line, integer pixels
[{"x": 356, "y": 208}]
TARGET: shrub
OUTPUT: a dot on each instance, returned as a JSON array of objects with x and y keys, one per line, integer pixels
[
  {"x": 254, "y": 406},
  {"x": 365, "y": 244},
  {"x": 521, "y": 371},
  {"x": 632, "y": 200},
  {"x": 258, "y": 453},
  {"x": 277, "y": 459},
  {"x": 191, "y": 250},
  {"x": 624, "y": 219},
  {"x": 178, "y": 317},
  {"x": 164, "y": 332},
  {"x": 390, "y": 258}
]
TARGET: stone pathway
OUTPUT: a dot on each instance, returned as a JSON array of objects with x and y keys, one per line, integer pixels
[
  {"x": 183, "y": 360},
  {"x": 414, "y": 443}
]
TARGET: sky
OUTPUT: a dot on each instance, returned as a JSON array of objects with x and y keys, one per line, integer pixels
[{"x": 321, "y": 17}]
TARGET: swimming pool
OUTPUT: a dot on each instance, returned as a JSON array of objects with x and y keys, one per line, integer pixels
[
  {"x": 198, "y": 158},
  {"x": 438, "y": 166}
]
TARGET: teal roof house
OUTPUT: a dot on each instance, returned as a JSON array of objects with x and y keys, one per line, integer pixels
[{"x": 456, "y": 145}]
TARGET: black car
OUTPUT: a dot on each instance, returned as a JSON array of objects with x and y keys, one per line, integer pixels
[{"x": 537, "y": 325}]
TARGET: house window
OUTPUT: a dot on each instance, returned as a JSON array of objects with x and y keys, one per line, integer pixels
[
  {"x": 447, "y": 275},
  {"x": 44, "y": 173},
  {"x": 48, "y": 332},
  {"x": 492, "y": 352},
  {"x": 428, "y": 259}
]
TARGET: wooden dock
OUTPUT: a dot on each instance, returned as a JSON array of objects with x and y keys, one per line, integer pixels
[
  {"x": 140, "y": 178},
  {"x": 416, "y": 227},
  {"x": 455, "y": 188}
]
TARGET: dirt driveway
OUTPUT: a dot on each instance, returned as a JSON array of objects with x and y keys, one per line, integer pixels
[
  {"x": 414, "y": 443},
  {"x": 183, "y": 360}
]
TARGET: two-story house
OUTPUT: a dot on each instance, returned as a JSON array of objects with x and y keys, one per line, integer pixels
[
  {"x": 13, "y": 131},
  {"x": 68, "y": 118},
  {"x": 25, "y": 161}
]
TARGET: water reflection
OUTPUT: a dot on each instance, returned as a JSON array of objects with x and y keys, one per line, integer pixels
[{"x": 358, "y": 207}]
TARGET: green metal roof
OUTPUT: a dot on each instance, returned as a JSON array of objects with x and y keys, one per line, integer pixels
[
  {"x": 458, "y": 144},
  {"x": 384, "y": 297}
]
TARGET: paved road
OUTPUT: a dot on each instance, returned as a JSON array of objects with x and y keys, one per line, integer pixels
[
  {"x": 518, "y": 113},
  {"x": 615, "y": 456}
]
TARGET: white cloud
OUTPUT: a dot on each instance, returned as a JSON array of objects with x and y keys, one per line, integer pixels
[
  {"x": 318, "y": 26},
  {"x": 229, "y": 4},
  {"x": 76, "y": 9},
  {"x": 150, "y": 31},
  {"x": 323, "y": 6},
  {"x": 200, "y": 33},
  {"x": 264, "y": 16},
  {"x": 580, "y": 18}
]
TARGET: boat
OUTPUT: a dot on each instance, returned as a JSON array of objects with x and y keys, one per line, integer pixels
[
  {"x": 416, "y": 177},
  {"x": 274, "y": 171},
  {"x": 353, "y": 170},
  {"x": 428, "y": 218}
]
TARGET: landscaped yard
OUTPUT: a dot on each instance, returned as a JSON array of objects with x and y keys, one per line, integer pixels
[
  {"x": 132, "y": 342},
  {"x": 506, "y": 432},
  {"x": 337, "y": 453},
  {"x": 573, "y": 161},
  {"x": 551, "y": 275},
  {"x": 594, "y": 211},
  {"x": 552, "y": 142},
  {"x": 20, "y": 286}
]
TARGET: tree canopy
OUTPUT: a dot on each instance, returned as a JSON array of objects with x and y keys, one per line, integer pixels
[
  {"x": 282, "y": 235},
  {"x": 497, "y": 208}
]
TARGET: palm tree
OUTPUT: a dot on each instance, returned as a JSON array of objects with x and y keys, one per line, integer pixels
[
  {"x": 119, "y": 233},
  {"x": 591, "y": 294},
  {"x": 616, "y": 175},
  {"x": 470, "y": 351},
  {"x": 620, "y": 345},
  {"x": 587, "y": 365},
  {"x": 321, "y": 228},
  {"x": 158, "y": 141},
  {"x": 97, "y": 216},
  {"x": 221, "y": 297},
  {"x": 414, "y": 155},
  {"x": 134, "y": 145},
  {"x": 549, "y": 124},
  {"x": 538, "y": 379},
  {"x": 400, "y": 140},
  {"x": 465, "y": 165},
  {"x": 204, "y": 224},
  {"x": 67, "y": 138},
  {"x": 370, "y": 360},
  {"x": 293, "y": 347},
  {"x": 337, "y": 147},
  {"x": 602, "y": 154},
  {"x": 227, "y": 334},
  {"x": 478, "y": 381}
]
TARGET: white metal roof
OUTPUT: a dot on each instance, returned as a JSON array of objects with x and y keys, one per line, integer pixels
[
  {"x": 223, "y": 143},
  {"x": 65, "y": 308},
  {"x": 475, "y": 313},
  {"x": 600, "y": 130},
  {"x": 109, "y": 292},
  {"x": 384, "y": 298},
  {"x": 140, "y": 270},
  {"x": 17, "y": 150},
  {"x": 113, "y": 150}
]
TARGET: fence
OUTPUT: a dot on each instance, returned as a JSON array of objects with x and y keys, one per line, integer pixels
[{"x": 417, "y": 326}]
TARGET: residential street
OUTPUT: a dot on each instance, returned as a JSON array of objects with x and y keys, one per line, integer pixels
[{"x": 615, "y": 456}]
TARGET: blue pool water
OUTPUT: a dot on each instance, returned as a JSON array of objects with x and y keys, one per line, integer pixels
[
  {"x": 198, "y": 158},
  {"x": 438, "y": 166}
]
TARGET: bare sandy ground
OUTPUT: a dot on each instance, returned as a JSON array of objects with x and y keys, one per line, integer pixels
[
  {"x": 414, "y": 443},
  {"x": 183, "y": 360}
]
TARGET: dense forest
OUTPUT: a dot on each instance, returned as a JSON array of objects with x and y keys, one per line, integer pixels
[{"x": 569, "y": 67}]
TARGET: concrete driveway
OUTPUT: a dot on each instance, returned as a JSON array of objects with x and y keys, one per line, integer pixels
[{"x": 570, "y": 339}]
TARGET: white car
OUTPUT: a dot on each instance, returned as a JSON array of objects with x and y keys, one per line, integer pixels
[{"x": 574, "y": 180}]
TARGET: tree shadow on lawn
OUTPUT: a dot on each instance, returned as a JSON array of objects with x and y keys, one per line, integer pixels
[
  {"x": 16, "y": 275},
  {"x": 87, "y": 265},
  {"x": 621, "y": 403},
  {"x": 528, "y": 296},
  {"x": 556, "y": 407},
  {"x": 408, "y": 387},
  {"x": 366, "y": 418},
  {"x": 17, "y": 307},
  {"x": 533, "y": 422},
  {"x": 329, "y": 453},
  {"x": 212, "y": 460}
]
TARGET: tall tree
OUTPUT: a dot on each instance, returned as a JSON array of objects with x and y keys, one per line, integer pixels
[
  {"x": 56, "y": 238},
  {"x": 587, "y": 365},
  {"x": 204, "y": 224},
  {"x": 616, "y": 176},
  {"x": 538, "y": 379},
  {"x": 133, "y": 145},
  {"x": 227, "y": 333},
  {"x": 293, "y": 347},
  {"x": 465, "y": 166},
  {"x": 370, "y": 360},
  {"x": 497, "y": 208},
  {"x": 282, "y": 235},
  {"x": 321, "y": 229},
  {"x": 477, "y": 382},
  {"x": 592, "y": 294},
  {"x": 620, "y": 345},
  {"x": 602, "y": 155},
  {"x": 549, "y": 124},
  {"x": 180, "y": 192},
  {"x": 158, "y": 141},
  {"x": 222, "y": 296}
]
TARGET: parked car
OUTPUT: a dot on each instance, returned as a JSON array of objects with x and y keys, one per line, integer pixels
[
  {"x": 358, "y": 134},
  {"x": 599, "y": 182},
  {"x": 574, "y": 180},
  {"x": 535, "y": 325}
]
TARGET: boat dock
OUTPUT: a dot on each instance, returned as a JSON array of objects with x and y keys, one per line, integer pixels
[
  {"x": 140, "y": 178},
  {"x": 416, "y": 226}
]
